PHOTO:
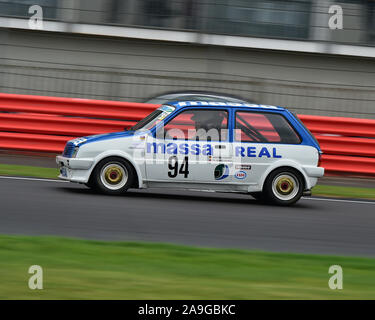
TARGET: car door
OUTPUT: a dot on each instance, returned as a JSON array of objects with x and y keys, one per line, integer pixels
[
  {"x": 260, "y": 138},
  {"x": 186, "y": 149}
]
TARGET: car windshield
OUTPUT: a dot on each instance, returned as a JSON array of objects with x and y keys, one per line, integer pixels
[{"x": 153, "y": 118}]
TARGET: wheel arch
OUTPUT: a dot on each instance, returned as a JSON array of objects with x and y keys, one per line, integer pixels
[
  {"x": 287, "y": 165},
  {"x": 122, "y": 155}
]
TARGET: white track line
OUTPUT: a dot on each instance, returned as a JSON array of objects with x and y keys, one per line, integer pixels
[
  {"x": 340, "y": 200},
  {"x": 31, "y": 179}
]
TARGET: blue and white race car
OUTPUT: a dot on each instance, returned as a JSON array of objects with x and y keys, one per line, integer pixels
[{"x": 261, "y": 150}]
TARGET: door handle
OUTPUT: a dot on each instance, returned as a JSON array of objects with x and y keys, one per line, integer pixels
[{"x": 220, "y": 146}]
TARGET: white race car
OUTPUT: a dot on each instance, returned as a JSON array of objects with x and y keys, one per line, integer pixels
[{"x": 261, "y": 150}]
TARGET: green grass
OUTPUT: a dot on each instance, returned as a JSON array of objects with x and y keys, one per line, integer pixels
[
  {"x": 80, "y": 269},
  {"x": 319, "y": 190},
  {"x": 344, "y": 192},
  {"x": 28, "y": 171}
]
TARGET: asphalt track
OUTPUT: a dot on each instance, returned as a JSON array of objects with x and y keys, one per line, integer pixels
[{"x": 325, "y": 226}]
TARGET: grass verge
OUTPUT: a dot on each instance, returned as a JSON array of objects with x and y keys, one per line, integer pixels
[
  {"x": 28, "y": 171},
  {"x": 319, "y": 190},
  {"x": 82, "y": 269},
  {"x": 344, "y": 192}
]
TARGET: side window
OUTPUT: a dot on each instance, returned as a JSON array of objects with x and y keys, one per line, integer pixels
[
  {"x": 264, "y": 127},
  {"x": 197, "y": 125}
]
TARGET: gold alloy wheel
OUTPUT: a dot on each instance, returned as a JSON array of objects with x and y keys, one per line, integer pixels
[
  {"x": 114, "y": 176},
  {"x": 285, "y": 186}
]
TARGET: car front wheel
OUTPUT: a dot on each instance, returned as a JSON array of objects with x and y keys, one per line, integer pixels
[
  {"x": 112, "y": 176},
  {"x": 283, "y": 186}
]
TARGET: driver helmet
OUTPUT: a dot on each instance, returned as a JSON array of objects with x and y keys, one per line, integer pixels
[{"x": 206, "y": 119}]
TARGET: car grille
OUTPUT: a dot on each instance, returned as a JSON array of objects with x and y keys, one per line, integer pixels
[{"x": 69, "y": 149}]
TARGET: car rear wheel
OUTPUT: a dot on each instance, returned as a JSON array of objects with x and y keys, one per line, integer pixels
[
  {"x": 112, "y": 176},
  {"x": 283, "y": 186}
]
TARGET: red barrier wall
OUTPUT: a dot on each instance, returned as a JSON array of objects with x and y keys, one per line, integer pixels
[{"x": 46, "y": 123}]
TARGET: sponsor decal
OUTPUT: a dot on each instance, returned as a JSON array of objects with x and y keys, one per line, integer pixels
[
  {"x": 253, "y": 152},
  {"x": 220, "y": 103},
  {"x": 240, "y": 175},
  {"x": 78, "y": 141},
  {"x": 167, "y": 108},
  {"x": 196, "y": 149},
  {"x": 221, "y": 159},
  {"x": 162, "y": 116},
  {"x": 243, "y": 167},
  {"x": 221, "y": 172},
  {"x": 166, "y": 112},
  {"x": 184, "y": 148}
]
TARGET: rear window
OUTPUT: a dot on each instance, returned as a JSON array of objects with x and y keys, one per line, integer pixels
[
  {"x": 303, "y": 125},
  {"x": 264, "y": 127}
]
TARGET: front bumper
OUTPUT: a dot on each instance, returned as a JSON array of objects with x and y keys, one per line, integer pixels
[{"x": 73, "y": 169}]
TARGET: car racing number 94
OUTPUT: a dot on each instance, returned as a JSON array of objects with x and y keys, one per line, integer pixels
[{"x": 175, "y": 168}]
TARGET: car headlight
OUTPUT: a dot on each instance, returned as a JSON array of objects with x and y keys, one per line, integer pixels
[{"x": 75, "y": 152}]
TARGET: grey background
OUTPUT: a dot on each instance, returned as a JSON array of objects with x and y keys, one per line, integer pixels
[
  {"x": 130, "y": 69},
  {"x": 285, "y": 19},
  {"x": 70, "y": 65}
]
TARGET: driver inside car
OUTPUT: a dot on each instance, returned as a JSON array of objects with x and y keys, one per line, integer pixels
[{"x": 208, "y": 125}]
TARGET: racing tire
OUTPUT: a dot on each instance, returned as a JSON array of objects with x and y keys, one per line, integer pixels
[
  {"x": 89, "y": 184},
  {"x": 113, "y": 176},
  {"x": 283, "y": 186},
  {"x": 257, "y": 196}
]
